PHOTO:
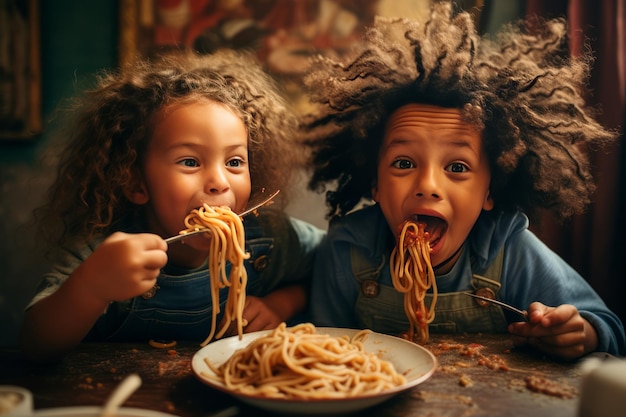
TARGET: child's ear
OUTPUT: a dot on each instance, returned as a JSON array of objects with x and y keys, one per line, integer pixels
[
  {"x": 488, "y": 204},
  {"x": 375, "y": 192},
  {"x": 137, "y": 193}
]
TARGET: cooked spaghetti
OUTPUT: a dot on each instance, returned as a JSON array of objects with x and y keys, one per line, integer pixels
[
  {"x": 412, "y": 274},
  {"x": 298, "y": 363},
  {"x": 227, "y": 245}
]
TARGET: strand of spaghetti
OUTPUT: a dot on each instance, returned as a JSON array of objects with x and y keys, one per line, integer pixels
[
  {"x": 427, "y": 281},
  {"x": 412, "y": 274},
  {"x": 402, "y": 281},
  {"x": 430, "y": 281},
  {"x": 241, "y": 276},
  {"x": 299, "y": 363},
  {"x": 237, "y": 280},
  {"x": 227, "y": 245}
]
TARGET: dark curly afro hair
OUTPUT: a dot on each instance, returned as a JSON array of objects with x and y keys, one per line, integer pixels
[{"x": 519, "y": 87}]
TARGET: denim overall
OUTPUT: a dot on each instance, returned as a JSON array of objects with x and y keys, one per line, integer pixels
[
  {"x": 179, "y": 305},
  {"x": 380, "y": 307}
]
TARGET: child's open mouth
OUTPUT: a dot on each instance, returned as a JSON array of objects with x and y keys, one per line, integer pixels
[{"x": 435, "y": 227}]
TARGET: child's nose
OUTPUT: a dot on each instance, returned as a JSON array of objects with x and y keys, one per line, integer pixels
[
  {"x": 217, "y": 181},
  {"x": 427, "y": 184}
]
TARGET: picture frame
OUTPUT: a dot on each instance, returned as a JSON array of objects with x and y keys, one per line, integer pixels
[{"x": 20, "y": 84}]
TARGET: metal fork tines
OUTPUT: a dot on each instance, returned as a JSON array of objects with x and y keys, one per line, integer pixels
[{"x": 509, "y": 307}]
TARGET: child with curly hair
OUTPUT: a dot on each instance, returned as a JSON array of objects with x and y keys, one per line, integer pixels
[
  {"x": 149, "y": 144},
  {"x": 469, "y": 136}
]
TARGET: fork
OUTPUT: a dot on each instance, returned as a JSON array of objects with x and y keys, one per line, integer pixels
[
  {"x": 522, "y": 313},
  {"x": 181, "y": 236}
]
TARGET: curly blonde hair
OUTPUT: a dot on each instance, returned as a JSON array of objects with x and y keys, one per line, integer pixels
[
  {"x": 519, "y": 87},
  {"x": 111, "y": 126}
]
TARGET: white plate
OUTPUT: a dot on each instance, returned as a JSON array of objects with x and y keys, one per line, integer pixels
[
  {"x": 416, "y": 363},
  {"x": 95, "y": 411}
]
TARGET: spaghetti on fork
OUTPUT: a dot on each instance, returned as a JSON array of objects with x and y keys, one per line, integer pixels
[{"x": 412, "y": 274}]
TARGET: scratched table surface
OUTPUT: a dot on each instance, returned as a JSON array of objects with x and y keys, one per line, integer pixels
[{"x": 476, "y": 375}]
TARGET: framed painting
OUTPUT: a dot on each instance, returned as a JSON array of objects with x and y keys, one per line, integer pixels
[
  {"x": 284, "y": 33},
  {"x": 20, "y": 83}
]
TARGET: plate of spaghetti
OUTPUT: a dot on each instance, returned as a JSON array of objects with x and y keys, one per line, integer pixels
[{"x": 308, "y": 370}]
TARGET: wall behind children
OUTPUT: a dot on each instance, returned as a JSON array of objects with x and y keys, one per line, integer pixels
[{"x": 77, "y": 39}]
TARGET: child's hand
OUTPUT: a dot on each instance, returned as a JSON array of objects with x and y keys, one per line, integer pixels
[
  {"x": 123, "y": 266},
  {"x": 558, "y": 331},
  {"x": 258, "y": 314}
]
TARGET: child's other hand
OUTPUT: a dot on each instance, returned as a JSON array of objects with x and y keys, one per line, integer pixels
[
  {"x": 558, "y": 331},
  {"x": 123, "y": 266},
  {"x": 259, "y": 315}
]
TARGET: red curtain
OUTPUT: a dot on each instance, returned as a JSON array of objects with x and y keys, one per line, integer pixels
[{"x": 592, "y": 243}]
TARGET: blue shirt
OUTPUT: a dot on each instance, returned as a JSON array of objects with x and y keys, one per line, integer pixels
[
  {"x": 530, "y": 271},
  {"x": 281, "y": 250}
]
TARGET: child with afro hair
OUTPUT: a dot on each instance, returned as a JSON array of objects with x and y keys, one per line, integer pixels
[{"x": 469, "y": 136}]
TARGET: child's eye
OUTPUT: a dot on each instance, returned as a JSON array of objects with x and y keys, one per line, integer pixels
[
  {"x": 189, "y": 162},
  {"x": 235, "y": 163},
  {"x": 402, "y": 164},
  {"x": 457, "y": 167}
]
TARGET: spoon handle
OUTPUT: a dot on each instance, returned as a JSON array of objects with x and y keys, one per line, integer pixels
[{"x": 124, "y": 390}]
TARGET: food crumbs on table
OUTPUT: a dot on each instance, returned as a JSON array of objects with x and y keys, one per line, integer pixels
[
  {"x": 518, "y": 384},
  {"x": 465, "y": 381},
  {"x": 472, "y": 350},
  {"x": 178, "y": 367},
  {"x": 89, "y": 385},
  {"x": 493, "y": 361},
  {"x": 433, "y": 397},
  {"x": 532, "y": 382},
  {"x": 170, "y": 407},
  {"x": 544, "y": 385}
]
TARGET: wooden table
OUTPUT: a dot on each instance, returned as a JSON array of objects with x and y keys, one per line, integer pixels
[{"x": 464, "y": 384}]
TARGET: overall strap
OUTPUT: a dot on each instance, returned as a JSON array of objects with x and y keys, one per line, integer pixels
[
  {"x": 377, "y": 305},
  {"x": 491, "y": 277}
]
